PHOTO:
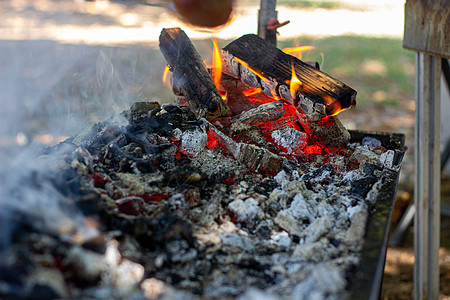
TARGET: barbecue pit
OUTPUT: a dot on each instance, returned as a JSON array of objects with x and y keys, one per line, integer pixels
[{"x": 245, "y": 197}]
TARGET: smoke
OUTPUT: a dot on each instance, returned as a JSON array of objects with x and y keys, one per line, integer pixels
[
  {"x": 48, "y": 92},
  {"x": 31, "y": 197}
]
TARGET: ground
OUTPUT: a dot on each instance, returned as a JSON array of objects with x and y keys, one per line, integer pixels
[{"x": 66, "y": 64}]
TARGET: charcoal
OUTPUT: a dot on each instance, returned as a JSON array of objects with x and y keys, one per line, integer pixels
[
  {"x": 362, "y": 186},
  {"x": 183, "y": 175},
  {"x": 319, "y": 174},
  {"x": 169, "y": 227},
  {"x": 184, "y": 207}
]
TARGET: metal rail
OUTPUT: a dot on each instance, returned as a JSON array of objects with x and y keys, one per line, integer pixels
[{"x": 427, "y": 177}]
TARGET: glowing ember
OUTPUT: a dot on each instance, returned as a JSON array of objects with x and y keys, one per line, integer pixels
[{"x": 251, "y": 92}]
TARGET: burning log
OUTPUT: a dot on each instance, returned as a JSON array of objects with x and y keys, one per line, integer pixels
[
  {"x": 191, "y": 74},
  {"x": 317, "y": 95},
  {"x": 262, "y": 65}
]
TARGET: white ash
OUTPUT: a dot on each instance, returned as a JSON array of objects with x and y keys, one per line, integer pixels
[
  {"x": 193, "y": 141},
  {"x": 318, "y": 228},
  {"x": 370, "y": 141},
  {"x": 387, "y": 159},
  {"x": 281, "y": 176},
  {"x": 282, "y": 240},
  {"x": 177, "y": 205},
  {"x": 238, "y": 241},
  {"x": 286, "y": 221},
  {"x": 290, "y": 139},
  {"x": 353, "y": 175},
  {"x": 257, "y": 294},
  {"x": 214, "y": 163},
  {"x": 364, "y": 154},
  {"x": 245, "y": 211}
]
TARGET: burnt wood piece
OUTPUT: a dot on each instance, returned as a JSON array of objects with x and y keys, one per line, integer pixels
[
  {"x": 329, "y": 132},
  {"x": 318, "y": 89},
  {"x": 255, "y": 158},
  {"x": 262, "y": 114},
  {"x": 191, "y": 74}
]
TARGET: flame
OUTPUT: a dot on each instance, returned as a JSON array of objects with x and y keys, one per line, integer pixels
[
  {"x": 216, "y": 64},
  {"x": 259, "y": 74},
  {"x": 295, "y": 84},
  {"x": 333, "y": 106},
  {"x": 251, "y": 92},
  {"x": 166, "y": 77},
  {"x": 298, "y": 50}
]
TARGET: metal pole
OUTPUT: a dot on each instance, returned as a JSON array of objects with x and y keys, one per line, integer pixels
[
  {"x": 427, "y": 177},
  {"x": 266, "y": 12}
]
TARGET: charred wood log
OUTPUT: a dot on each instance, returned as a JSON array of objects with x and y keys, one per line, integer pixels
[
  {"x": 191, "y": 74},
  {"x": 254, "y": 157},
  {"x": 262, "y": 114},
  {"x": 319, "y": 95},
  {"x": 261, "y": 65}
]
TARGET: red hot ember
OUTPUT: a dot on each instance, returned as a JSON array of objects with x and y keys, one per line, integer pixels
[{"x": 251, "y": 79}]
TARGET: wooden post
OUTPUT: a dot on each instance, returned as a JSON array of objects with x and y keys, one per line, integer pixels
[
  {"x": 427, "y": 177},
  {"x": 266, "y": 12}
]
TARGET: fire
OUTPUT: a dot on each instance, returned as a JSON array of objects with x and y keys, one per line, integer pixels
[
  {"x": 295, "y": 84},
  {"x": 166, "y": 77},
  {"x": 251, "y": 92},
  {"x": 333, "y": 106},
  {"x": 216, "y": 64},
  {"x": 298, "y": 50},
  {"x": 259, "y": 74}
]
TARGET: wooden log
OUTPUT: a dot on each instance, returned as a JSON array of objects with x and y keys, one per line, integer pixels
[
  {"x": 191, "y": 74},
  {"x": 319, "y": 93}
]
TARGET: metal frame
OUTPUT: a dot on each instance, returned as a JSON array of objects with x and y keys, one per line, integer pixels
[{"x": 427, "y": 177}]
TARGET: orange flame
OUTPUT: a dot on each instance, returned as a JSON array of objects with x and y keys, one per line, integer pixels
[
  {"x": 216, "y": 64},
  {"x": 333, "y": 106},
  {"x": 259, "y": 74},
  {"x": 298, "y": 50},
  {"x": 166, "y": 77},
  {"x": 295, "y": 84},
  {"x": 251, "y": 92}
]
